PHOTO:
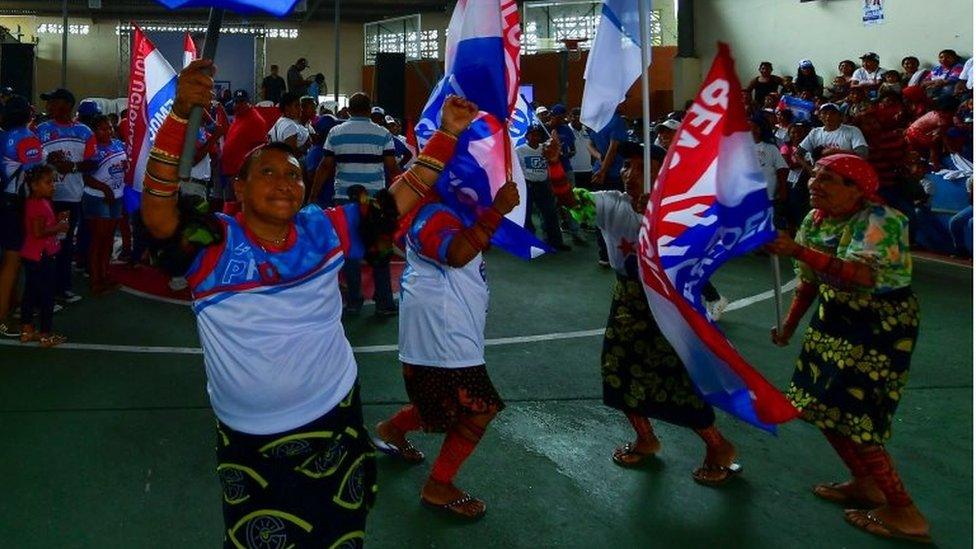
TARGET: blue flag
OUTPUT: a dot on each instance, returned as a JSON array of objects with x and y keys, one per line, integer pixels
[{"x": 278, "y": 8}]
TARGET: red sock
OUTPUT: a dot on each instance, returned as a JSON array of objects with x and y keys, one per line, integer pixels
[
  {"x": 641, "y": 425},
  {"x": 407, "y": 419},
  {"x": 454, "y": 451},
  {"x": 877, "y": 461},
  {"x": 848, "y": 452}
]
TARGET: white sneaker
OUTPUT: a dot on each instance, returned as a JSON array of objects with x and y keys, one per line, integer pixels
[
  {"x": 58, "y": 308},
  {"x": 70, "y": 297},
  {"x": 716, "y": 308},
  {"x": 9, "y": 330},
  {"x": 178, "y": 283}
]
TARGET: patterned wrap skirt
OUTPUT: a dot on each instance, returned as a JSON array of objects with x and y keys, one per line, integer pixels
[
  {"x": 309, "y": 487},
  {"x": 854, "y": 363},
  {"x": 445, "y": 396},
  {"x": 642, "y": 373}
]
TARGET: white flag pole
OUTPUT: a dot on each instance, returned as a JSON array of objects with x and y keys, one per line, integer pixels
[
  {"x": 645, "y": 9},
  {"x": 777, "y": 292}
]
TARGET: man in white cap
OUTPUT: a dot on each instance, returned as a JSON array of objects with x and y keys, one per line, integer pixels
[
  {"x": 870, "y": 75},
  {"x": 543, "y": 115},
  {"x": 378, "y": 116},
  {"x": 665, "y": 132}
]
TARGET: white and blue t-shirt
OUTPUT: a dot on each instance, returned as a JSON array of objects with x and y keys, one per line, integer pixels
[
  {"x": 77, "y": 142},
  {"x": 21, "y": 149},
  {"x": 442, "y": 309},
  {"x": 112, "y": 161},
  {"x": 359, "y": 147},
  {"x": 275, "y": 351}
]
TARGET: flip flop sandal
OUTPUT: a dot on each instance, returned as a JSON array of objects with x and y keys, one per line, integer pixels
[
  {"x": 864, "y": 520},
  {"x": 454, "y": 507},
  {"x": 52, "y": 340},
  {"x": 408, "y": 453},
  {"x": 628, "y": 450},
  {"x": 728, "y": 472},
  {"x": 833, "y": 493}
]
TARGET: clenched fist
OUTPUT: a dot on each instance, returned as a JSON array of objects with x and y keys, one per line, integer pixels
[
  {"x": 457, "y": 114},
  {"x": 194, "y": 87},
  {"x": 507, "y": 198}
]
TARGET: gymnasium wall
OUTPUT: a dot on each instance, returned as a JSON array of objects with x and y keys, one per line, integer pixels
[{"x": 829, "y": 31}]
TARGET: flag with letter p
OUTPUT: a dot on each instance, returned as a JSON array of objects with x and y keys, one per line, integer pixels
[{"x": 709, "y": 204}]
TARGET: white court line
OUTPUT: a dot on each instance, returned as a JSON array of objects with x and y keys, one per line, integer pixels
[{"x": 371, "y": 349}]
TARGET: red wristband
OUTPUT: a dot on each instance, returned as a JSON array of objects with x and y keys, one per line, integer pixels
[
  {"x": 490, "y": 218},
  {"x": 440, "y": 148},
  {"x": 171, "y": 136}
]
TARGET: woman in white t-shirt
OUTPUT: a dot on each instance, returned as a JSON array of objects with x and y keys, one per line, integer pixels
[
  {"x": 102, "y": 203},
  {"x": 443, "y": 309},
  {"x": 288, "y": 129}
]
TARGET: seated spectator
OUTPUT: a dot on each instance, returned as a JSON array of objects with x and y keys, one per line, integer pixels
[
  {"x": 892, "y": 82},
  {"x": 912, "y": 75},
  {"x": 916, "y": 102},
  {"x": 784, "y": 119},
  {"x": 807, "y": 79},
  {"x": 833, "y": 138},
  {"x": 798, "y": 194},
  {"x": 931, "y": 233},
  {"x": 869, "y": 75},
  {"x": 927, "y": 134},
  {"x": 856, "y": 105},
  {"x": 942, "y": 79},
  {"x": 764, "y": 84},
  {"x": 788, "y": 87},
  {"x": 890, "y": 111},
  {"x": 839, "y": 89},
  {"x": 887, "y": 149},
  {"x": 846, "y": 69}
]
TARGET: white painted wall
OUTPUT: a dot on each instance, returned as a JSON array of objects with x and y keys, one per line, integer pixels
[{"x": 829, "y": 31}]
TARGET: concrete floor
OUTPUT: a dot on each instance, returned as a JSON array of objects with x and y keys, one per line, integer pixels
[{"x": 107, "y": 447}]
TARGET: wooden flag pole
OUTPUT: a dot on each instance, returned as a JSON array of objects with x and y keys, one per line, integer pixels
[{"x": 196, "y": 115}]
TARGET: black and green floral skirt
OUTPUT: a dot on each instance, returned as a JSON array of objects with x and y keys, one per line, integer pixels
[
  {"x": 642, "y": 373},
  {"x": 854, "y": 363}
]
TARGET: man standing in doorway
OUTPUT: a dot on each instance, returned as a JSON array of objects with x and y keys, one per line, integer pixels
[
  {"x": 298, "y": 84},
  {"x": 273, "y": 86},
  {"x": 360, "y": 154}
]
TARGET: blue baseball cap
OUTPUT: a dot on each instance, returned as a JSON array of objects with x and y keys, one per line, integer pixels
[
  {"x": 558, "y": 109},
  {"x": 88, "y": 108}
]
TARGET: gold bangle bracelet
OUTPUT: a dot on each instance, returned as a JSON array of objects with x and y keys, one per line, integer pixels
[{"x": 178, "y": 118}]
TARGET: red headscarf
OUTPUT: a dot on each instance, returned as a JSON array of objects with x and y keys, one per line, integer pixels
[{"x": 857, "y": 169}]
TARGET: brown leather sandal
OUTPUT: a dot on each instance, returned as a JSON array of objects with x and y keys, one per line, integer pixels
[
  {"x": 727, "y": 473},
  {"x": 833, "y": 492},
  {"x": 407, "y": 453},
  {"x": 627, "y": 456}
]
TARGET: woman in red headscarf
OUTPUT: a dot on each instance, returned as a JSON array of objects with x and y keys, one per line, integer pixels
[{"x": 852, "y": 250}]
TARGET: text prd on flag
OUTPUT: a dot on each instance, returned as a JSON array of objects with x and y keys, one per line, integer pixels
[{"x": 709, "y": 204}]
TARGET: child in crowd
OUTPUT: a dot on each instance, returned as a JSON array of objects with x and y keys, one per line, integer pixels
[
  {"x": 797, "y": 193},
  {"x": 788, "y": 87},
  {"x": 784, "y": 119},
  {"x": 41, "y": 232},
  {"x": 857, "y": 104},
  {"x": 839, "y": 89},
  {"x": 892, "y": 82}
]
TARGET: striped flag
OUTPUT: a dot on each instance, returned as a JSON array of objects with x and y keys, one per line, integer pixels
[
  {"x": 152, "y": 90},
  {"x": 482, "y": 64},
  {"x": 709, "y": 204}
]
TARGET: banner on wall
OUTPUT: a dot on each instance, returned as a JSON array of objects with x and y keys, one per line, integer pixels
[{"x": 873, "y": 13}]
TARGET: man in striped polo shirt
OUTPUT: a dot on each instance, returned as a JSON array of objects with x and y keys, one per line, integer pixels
[{"x": 359, "y": 152}]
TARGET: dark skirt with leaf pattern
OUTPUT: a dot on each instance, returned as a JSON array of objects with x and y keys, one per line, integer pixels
[
  {"x": 642, "y": 373},
  {"x": 854, "y": 363}
]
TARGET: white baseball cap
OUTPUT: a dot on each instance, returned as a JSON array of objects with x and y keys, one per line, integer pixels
[{"x": 378, "y": 110}]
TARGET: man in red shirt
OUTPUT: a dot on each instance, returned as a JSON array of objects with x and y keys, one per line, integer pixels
[{"x": 247, "y": 131}]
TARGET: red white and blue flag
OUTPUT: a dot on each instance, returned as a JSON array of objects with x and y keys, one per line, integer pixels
[
  {"x": 709, "y": 205},
  {"x": 152, "y": 90},
  {"x": 482, "y": 65},
  {"x": 189, "y": 50}
]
